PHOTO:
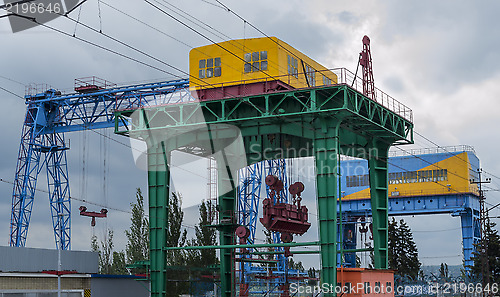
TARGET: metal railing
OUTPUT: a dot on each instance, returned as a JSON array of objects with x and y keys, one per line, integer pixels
[
  {"x": 433, "y": 150},
  {"x": 34, "y": 89},
  {"x": 344, "y": 77},
  {"x": 347, "y": 77},
  {"x": 93, "y": 81}
]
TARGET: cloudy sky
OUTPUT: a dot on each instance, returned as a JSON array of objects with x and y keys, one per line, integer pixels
[{"x": 439, "y": 58}]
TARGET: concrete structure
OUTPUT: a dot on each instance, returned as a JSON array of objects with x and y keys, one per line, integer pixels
[
  {"x": 29, "y": 272},
  {"x": 37, "y": 260}
]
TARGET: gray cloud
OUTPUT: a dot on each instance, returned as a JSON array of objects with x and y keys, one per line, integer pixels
[{"x": 425, "y": 55}]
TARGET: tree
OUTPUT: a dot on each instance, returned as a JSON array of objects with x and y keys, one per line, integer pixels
[
  {"x": 110, "y": 262},
  {"x": 443, "y": 272},
  {"x": 205, "y": 235},
  {"x": 492, "y": 244},
  {"x": 177, "y": 282},
  {"x": 312, "y": 274},
  {"x": 138, "y": 236},
  {"x": 295, "y": 265},
  {"x": 176, "y": 236},
  {"x": 393, "y": 244},
  {"x": 403, "y": 253},
  {"x": 119, "y": 265},
  {"x": 106, "y": 253}
]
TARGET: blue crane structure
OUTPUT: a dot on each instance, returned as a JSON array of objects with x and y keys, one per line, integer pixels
[
  {"x": 249, "y": 196},
  {"x": 423, "y": 182},
  {"x": 49, "y": 115}
]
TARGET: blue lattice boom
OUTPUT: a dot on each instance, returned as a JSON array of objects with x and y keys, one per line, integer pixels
[{"x": 49, "y": 115}]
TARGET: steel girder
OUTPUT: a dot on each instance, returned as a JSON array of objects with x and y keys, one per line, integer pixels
[
  {"x": 321, "y": 122},
  {"x": 466, "y": 206},
  {"x": 48, "y": 116}
]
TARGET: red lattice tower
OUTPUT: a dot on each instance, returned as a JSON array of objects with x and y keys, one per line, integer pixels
[{"x": 365, "y": 60}]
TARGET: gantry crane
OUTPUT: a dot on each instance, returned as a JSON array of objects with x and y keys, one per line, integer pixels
[{"x": 49, "y": 116}]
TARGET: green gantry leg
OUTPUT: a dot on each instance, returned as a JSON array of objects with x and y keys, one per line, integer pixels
[
  {"x": 378, "y": 166},
  {"x": 159, "y": 191},
  {"x": 227, "y": 207},
  {"x": 326, "y": 145}
]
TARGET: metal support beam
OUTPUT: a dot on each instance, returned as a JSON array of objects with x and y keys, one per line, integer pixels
[
  {"x": 227, "y": 222},
  {"x": 326, "y": 143},
  {"x": 59, "y": 193},
  {"x": 378, "y": 172},
  {"x": 248, "y": 246},
  {"x": 471, "y": 235},
  {"x": 272, "y": 126},
  {"x": 159, "y": 192},
  {"x": 49, "y": 114}
]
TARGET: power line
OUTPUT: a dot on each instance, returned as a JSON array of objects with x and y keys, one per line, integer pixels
[
  {"x": 436, "y": 257},
  {"x": 433, "y": 231},
  {"x": 91, "y": 202},
  {"x": 263, "y": 33},
  {"x": 172, "y": 37},
  {"x": 437, "y": 145},
  {"x": 201, "y": 34},
  {"x": 10, "y": 92},
  {"x": 13, "y": 80},
  {"x": 146, "y": 24},
  {"x": 257, "y": 29},
  {"x": 129, "y": 146}
]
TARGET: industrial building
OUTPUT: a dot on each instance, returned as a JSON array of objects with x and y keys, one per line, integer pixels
[{"x": 30, "y": 272}]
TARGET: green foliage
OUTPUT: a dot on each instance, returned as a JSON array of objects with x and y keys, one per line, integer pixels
[
  {"x": 269, "y": 240},
  {"x": 94, "y": 244},
  {"x": 176, "y": 235},
  {"x": 492, "y": 244},
  {"x": 295, "y": 265},
  {"x": 110, "y": 262},
  {"x": 443, "y": 272},
  {"x": 138, "y": 236},
  {"x": 119, "y": 266},
  {"x": 312, "y": 274},
  {"x": 177, "y": 282},
  {"x": 403, "y": 253},
  {"x": 105, "y": 255},
  {"x": 206, "y": 235}
]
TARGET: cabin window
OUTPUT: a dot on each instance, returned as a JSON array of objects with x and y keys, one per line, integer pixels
[
  {"x": 217, "y": 71},
  {"x": 293, "y": 66},
  {"x": 256, "y": 61},
  {"x": 255, "y": 66},
  {"x": 263, "y": 65},
  {"x": 357, "y": 181},
  {"x": 311, "y": 75},
  {"x": 326, "y": 81},
  {"x": 210, "y": 68},
  {"x": 248, "y": 67}
]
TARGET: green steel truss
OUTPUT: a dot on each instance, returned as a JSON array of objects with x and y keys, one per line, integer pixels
[{"x": 321, "y": 122}]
